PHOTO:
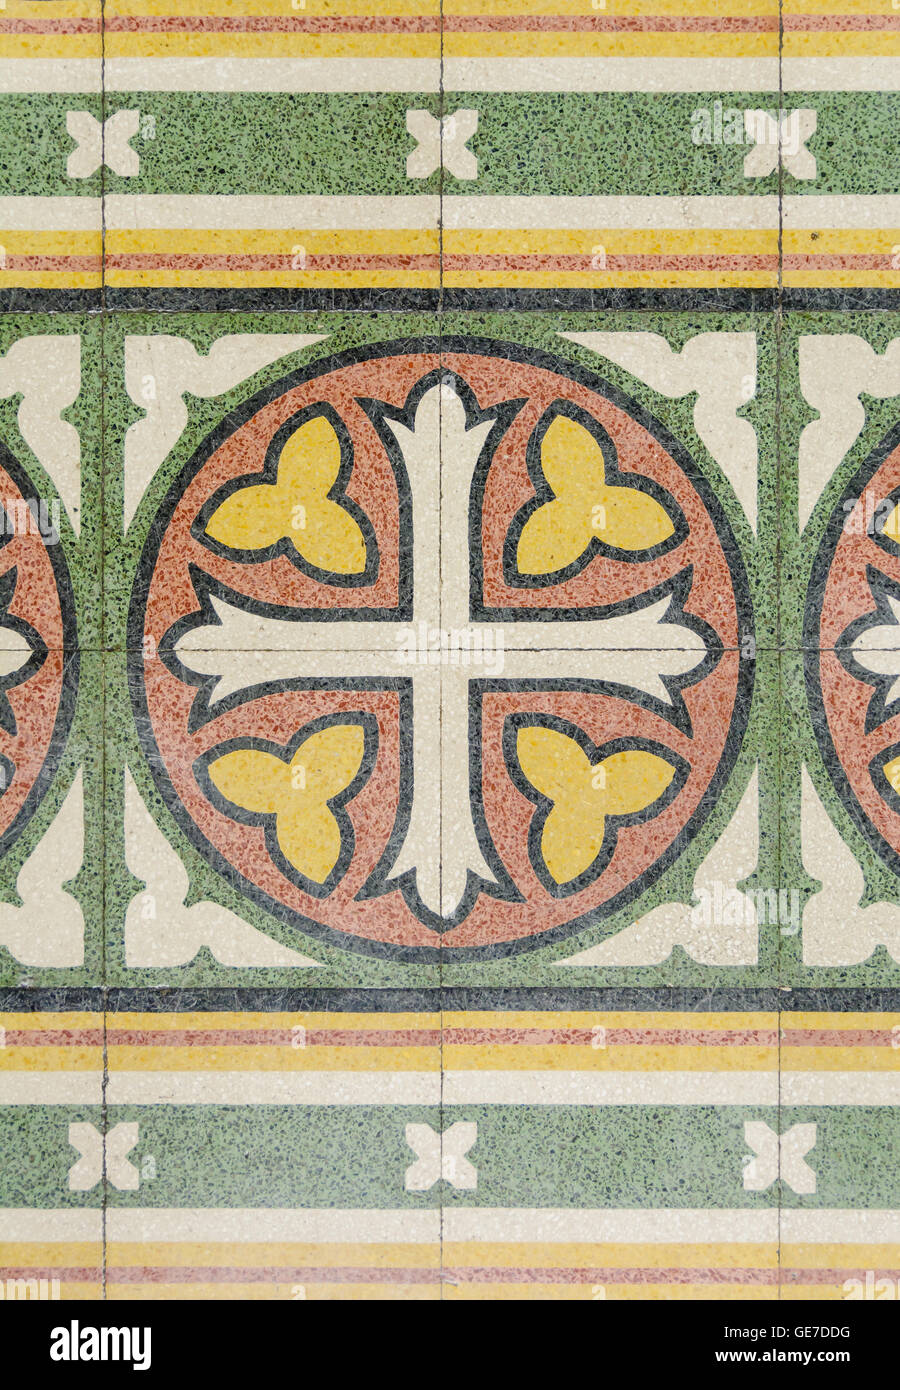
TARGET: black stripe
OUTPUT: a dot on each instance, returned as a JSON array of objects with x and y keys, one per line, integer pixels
[{"x": 837, "y": 999}]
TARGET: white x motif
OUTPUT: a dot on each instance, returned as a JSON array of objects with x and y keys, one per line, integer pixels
[
  {"x": 441, "y": 1156},
  {"x": 788, "y": 135},
  {"x": 103, "y": 142},
  {"x": 87, "y": 1171},
  {"x": 442, "y": 143},
  {"x": 779, "y": 1156}
]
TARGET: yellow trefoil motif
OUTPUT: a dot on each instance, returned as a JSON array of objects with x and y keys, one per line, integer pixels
[
  {"x": 584, "y": 507},
  {"x": 296, "y": 506},
  {"x": 584, "y": 795},
  {"x": 297, "y": 793}
]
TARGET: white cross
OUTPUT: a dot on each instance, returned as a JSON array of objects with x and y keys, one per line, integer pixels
[
  {"x": 102, "y": 142},
  {"x": 789, "y": 135},
  {"x": 779, "y": 1155},
  {"x": 87, "y": 1171},
  {"x": 442, "y": 143},
  {"x": 441, "y": 846},
  {"x": 441, "y": 1156}
]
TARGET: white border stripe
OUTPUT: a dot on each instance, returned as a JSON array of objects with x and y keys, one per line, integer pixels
[
  {"x": 212, "y": 1224},
  {"x": 34, "y": 214},
  {"x": 228, "y": 74},
  {"x": 460, "y": 212},
  {"x": 28, "y": 1224},
  {"x": 565, "y": 1225},
  {"x": 610, "y": 1088},
  {"x": 239, "y": 211},
  {"x": 273, "y": 1088},
  {"x": 51, "y": 75},
  {"x": 51, "y": 1088},
  {"x": 840, "y": 1227},
  {"x": 840, "y": 1088}
]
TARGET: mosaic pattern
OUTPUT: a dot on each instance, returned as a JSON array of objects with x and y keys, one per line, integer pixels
[{"x": 449, "y": 649}]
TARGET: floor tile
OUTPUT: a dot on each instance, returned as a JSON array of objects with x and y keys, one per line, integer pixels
[
  {"x": 447, "y": 749},
  {"x": 327, "y": 186},
  {"x": 51, "y": 1083},
  {"x": 286, "y": 1155},
  {"x": 50, "y": 185}
]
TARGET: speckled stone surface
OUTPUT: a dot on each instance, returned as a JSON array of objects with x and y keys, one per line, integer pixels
[{"x": 449, "y": 683}]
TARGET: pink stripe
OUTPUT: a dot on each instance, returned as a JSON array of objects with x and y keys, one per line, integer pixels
[
  {"x": 73, "y": 1275},
  {"x": 274, "y": 1037},
  {"x": 452, "y": 24},
  {"x": 272, "y": 1274},
  {"x": 71, "y": 263},
  {"x": 154, "y": 261}
]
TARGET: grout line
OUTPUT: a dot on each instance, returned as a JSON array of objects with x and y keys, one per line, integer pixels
[{"x": 779, "y": 312}]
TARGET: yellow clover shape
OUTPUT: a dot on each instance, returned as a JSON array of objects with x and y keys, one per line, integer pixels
[
  {"x": 296, "y": 506},
  {"x": 584, "y": 507},
  {"x": 297, "y": 793},
  {"x": 584, "y": 795}
]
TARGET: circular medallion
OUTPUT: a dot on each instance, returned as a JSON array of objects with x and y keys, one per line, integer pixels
[
  {"x": 852, "y": 632},
  {"x": 38, "y": 651},
  {"x": 439, "y": 645}
]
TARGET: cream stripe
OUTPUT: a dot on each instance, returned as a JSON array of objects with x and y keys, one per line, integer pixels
[
  {"x": 273, "y": 74},
  {"x": 610, "y": 1088},
  {"x": 280, "y": 1224},
  {"x": 460, "y": 212},
  {"x": 75, "y": 214},
  {"x": 564, "y": 1224},
  {"x": 863, "y": 74},
  {"x": 51, "y": 1088},
  {"x": 26, "y": 1224},
  {"x": 840, "y": 1227},
  {"x": 840, "y": 1088},
  {"x": 524, "y": 213},
  {"x": 50, "y": 75},
  {"x": 240, "y": 211},
  {"x": 274, "y": 1088},
  {"x": 874, "y": 211}
]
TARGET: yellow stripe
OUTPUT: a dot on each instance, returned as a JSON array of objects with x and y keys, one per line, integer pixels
[
  {"x": 357, "y": 1293},
  {"x": 589, "y": 45},
  {"x": 881, "y": 1022},
  {"x": 122, "y": 1254},
  {"x": 587, "y": 1019},
  {"x": 50, "y": 279},
  {"x": 795, "y": 1059},
  {"x": 841, "y": 1256},
  {"x": 38, "y": 1022},
  {"x": 876, "y": 43},
  {"x": 198, "y": 241},
  {"x": 639, "y": 1057},
  {"x": 50, "y": 45},
  {"x": 51, "y": 1058},
  {"x": 615, "y": 241},
  {"x": 539, "y": 1255},
  {"x": 613, "y": 8},
  {"x": 62, "y": 9},
  {"x": 279, "y": 45},
  {"x": 49, "y": 1255},
  {"x": 52, "y": 243},
  {"x": 830, "y": 242},
  {"x": 614, "y": 1293},
  {"x": 283, "y": 1058},
  {"x": 281, "y": 8},
  {"x": 139, "y": 1022},
  {"x": 625, "y": 279},
  {"x": 868, "y": 279},
  {"x": 331, "y": 279}
]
